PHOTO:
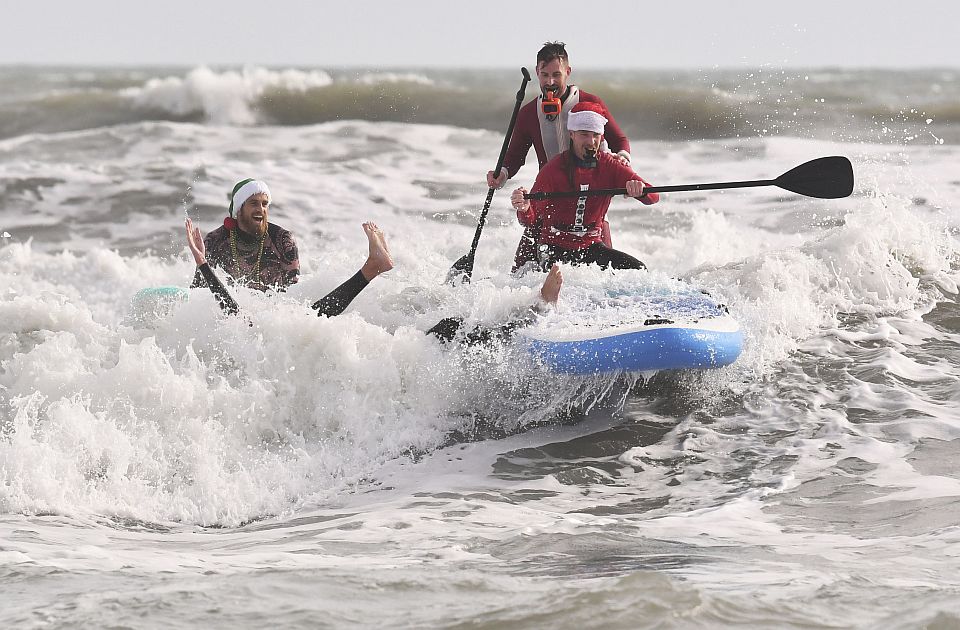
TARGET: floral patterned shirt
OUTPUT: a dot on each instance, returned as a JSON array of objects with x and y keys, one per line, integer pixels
[{"x": 279, "y": 262}]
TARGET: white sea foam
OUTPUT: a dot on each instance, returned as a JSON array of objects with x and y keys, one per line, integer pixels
[
  {"x": 329, "y": 429},
  {"x": 372, "y": 78}
]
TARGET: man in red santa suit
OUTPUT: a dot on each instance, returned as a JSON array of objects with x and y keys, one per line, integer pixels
[{"x": 570, "y": 229}]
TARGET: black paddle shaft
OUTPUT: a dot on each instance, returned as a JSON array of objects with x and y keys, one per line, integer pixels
[
  {"x": 464, "y": 266},
  {"x": 611, "y": 192},
  {"x": 824, "y": 178}
]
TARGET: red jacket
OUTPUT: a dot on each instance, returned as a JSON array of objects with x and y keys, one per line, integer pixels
[
  {"x": 571, "y": 222},
  {"x": 527, "y": 132}
]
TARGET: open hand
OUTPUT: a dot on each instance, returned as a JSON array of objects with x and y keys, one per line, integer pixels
[{"x": 195, "y": 243}]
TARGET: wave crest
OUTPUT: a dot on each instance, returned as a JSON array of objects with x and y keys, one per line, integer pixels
[{"x": 225, "y": 97}]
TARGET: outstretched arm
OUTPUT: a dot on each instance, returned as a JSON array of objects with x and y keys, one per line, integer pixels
[{"x": 198, "y": 249}]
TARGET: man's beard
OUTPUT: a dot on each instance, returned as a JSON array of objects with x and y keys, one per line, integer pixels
[{"x": 254, "y": 228}]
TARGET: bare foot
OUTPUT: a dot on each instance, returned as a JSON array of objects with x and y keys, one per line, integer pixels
[
  {"x": 379, "y": 259},
  {"x": 550, "y": 291}
]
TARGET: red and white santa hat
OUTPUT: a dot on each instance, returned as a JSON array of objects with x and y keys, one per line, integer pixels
[
  {"x": 243, "y": 190},
  {"x": 587, "y": 117}
]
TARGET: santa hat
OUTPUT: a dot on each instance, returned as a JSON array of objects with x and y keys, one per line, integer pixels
[
  {"x": 243, "y": 190},
  {"x": 587, "y": 117}
]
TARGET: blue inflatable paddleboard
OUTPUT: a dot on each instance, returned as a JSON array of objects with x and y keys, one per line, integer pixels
[{"x": 639, "y": 330}]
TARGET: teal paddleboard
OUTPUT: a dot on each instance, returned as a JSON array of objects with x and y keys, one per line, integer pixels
[{"x": 153, "y": 303}]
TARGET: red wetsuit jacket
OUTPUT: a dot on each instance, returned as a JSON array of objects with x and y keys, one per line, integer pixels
[
  {"x": 529, "y": 130},
  {"x": 572, "y": 222}
]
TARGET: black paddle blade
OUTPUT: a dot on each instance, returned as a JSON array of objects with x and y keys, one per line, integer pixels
[
  {"x": 461, "y": 270},
  {"x": 823, "y": 178}
]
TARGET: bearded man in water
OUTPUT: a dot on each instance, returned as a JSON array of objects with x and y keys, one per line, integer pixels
[
  {"x": 251, "y": 250},
  {"x": 262, "y": 255},
  {"x": 278, "y": 261}
]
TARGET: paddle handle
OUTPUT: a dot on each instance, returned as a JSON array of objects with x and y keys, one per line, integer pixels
[{"x": 611, "y": 192}]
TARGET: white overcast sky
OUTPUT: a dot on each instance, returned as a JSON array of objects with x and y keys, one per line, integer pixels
[{"x": 491, "y": 33}]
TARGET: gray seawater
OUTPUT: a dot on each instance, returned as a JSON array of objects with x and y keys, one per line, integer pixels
[
  {"x": 877, "y": 105},
  {"x": 288, "y": 471}
]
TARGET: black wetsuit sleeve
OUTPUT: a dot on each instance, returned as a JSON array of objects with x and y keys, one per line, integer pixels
[
  {"x": 198, "y": 280},
  {"x": 224, "y": 299},
  {"x": 339, "y": 299},
  {"x": 446, "y": 329}
]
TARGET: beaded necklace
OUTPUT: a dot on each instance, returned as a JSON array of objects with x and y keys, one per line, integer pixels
[{"x": 236, "y": 257}]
